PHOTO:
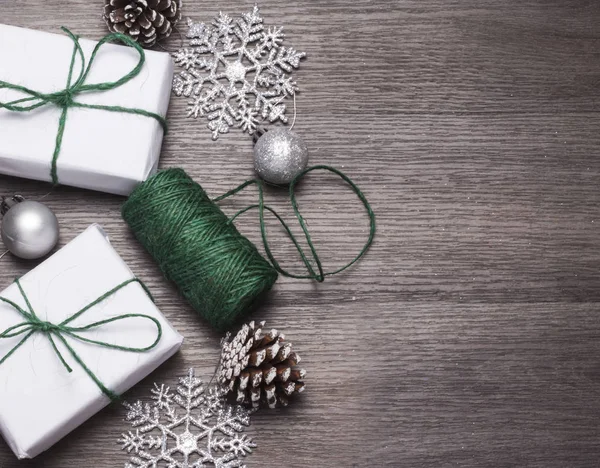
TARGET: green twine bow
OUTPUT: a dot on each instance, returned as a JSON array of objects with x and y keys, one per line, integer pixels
[
  {"x": 64, "y": 99},
  {"x": 34, "y": 324}
]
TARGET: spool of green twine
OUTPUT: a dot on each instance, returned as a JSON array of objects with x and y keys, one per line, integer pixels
[{"x": 218, "y": 270}]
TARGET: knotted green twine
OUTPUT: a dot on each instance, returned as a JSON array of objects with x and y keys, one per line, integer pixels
[
  {"x": 218, "y": 270},
  {"x": 64, "y": 99},
  {"x": 33, "y": 324}
]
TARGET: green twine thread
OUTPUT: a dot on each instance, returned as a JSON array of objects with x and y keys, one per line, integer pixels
[
  {"x": 218, "y": 270},
  {"x": 64, "y": 98},
  {"x": 33, "y": 324}
]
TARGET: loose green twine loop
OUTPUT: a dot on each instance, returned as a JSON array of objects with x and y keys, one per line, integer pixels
[
  {"x": 218, "y": 270},
  {"x": 312, "y": 274},
  {"x": 33, "y": 324},
  {"x": 64, "y": 98}
]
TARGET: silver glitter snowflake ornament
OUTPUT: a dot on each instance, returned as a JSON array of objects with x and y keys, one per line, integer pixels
[
  {"x": 237, "y": 73},
  {"x": 191, "y": 427}
]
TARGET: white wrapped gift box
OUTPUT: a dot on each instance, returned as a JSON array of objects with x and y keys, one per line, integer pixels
[
  {"x": 106, "y": 151},
  {"x": 40, "y": 401}
]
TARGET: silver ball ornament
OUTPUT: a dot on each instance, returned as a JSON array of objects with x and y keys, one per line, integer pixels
[
  {"x": 29, "y": 230},
  {"x": 280, "y": 155}
]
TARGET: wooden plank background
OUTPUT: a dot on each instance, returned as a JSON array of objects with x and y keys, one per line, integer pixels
[{"x": 469, "y": 336}]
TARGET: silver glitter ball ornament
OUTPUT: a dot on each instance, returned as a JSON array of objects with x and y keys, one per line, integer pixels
[
  {"x": 29, "y": 230},
  {"x": 279, "y": 156}
]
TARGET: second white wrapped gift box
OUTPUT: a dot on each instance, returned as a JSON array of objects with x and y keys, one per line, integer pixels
[{"x": 40, "y": 402}]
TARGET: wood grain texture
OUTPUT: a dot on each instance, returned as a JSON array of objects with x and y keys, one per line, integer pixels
[{"x": 469, "y": 336}]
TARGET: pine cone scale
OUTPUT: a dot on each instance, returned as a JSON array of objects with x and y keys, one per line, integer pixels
[
  {"x": 117, "y": 3},
  {"x": 297, "y": 374},
  {"x": 243, "y": 381},
  {"x": 289, "y": 388},
  {"x": 269, "y": 374},
  {"x": 145, "y": 23},
  {"x": 163, "y": 4},
  {"x": 120, "y": 28},
  {"x": 283, "y": 373},
  {"x": 257, "y": 357},
  {"x": 117, "y": 16}
]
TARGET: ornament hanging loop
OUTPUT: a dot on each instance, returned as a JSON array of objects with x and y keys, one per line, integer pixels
[{"x": 295, "y": 114}]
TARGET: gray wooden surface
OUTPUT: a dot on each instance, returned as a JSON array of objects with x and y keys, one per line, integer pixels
[{"x": 469, "y": 336}]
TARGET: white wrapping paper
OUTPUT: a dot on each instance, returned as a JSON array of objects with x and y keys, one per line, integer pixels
[
  {"x": 106, "y": 151},
  {"x": 40, "y": 402}
]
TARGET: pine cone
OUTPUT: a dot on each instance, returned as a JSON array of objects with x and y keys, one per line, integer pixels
[
  {"x": 146, "y": 21},
  {"x": 260, "y": 368}
]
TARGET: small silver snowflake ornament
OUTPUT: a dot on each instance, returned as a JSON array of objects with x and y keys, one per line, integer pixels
[
  {"x": 237, "y": 73},
  {"x": 190, "y": 427}
]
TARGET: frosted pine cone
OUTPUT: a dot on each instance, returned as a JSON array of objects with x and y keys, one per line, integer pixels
[
  {"x": 146, "y": 21},
  {"x": 260, "y": 367}
]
